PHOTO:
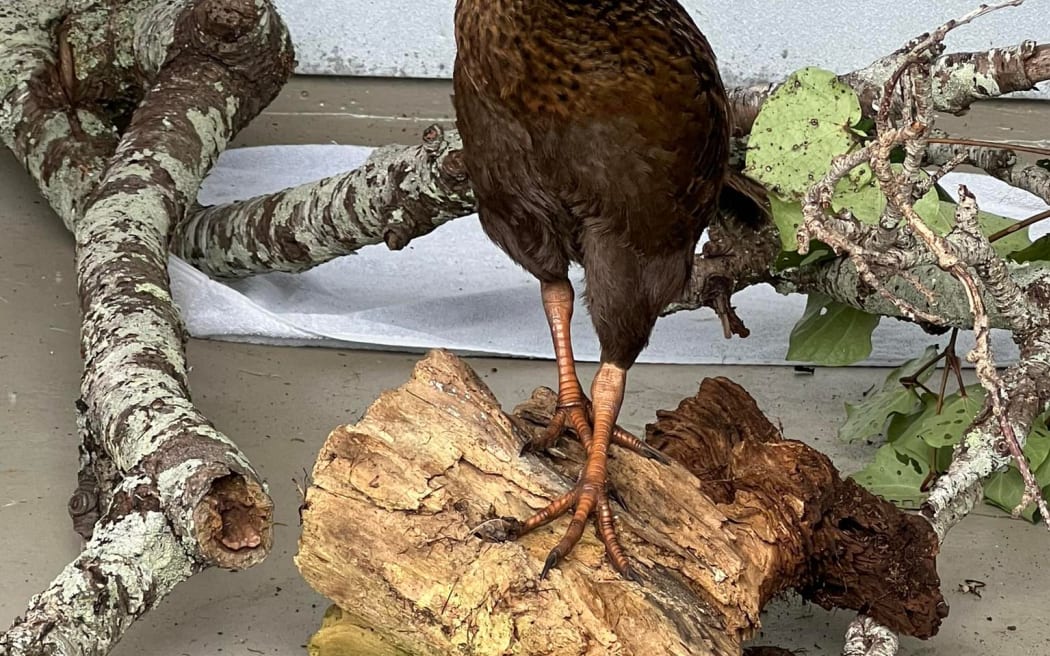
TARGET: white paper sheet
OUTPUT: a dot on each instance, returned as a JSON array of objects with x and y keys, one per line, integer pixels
[{"x": 454, "y": 289}]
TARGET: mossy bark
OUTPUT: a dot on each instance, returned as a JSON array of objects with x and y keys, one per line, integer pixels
[{"x": 117, "y": 110}]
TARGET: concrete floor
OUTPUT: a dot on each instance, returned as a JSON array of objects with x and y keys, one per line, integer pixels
[{"x": 280, "y": 403}]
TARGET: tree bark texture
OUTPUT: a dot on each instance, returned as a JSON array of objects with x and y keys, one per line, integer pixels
[
  {"x": 118, "y": 110},
  {"x": 401, "y": 529},
  {"x": 398, "y": 194}
]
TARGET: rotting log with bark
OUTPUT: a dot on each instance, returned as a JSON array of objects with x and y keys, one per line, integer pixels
[{"x": 402, "y": 529}]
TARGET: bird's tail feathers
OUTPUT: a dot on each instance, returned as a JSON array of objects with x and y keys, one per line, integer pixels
[{"x": 744, "y": 199}]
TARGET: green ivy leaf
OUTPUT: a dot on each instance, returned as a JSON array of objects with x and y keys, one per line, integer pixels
[
  {"x": 894, "y": 477},
  {"x": 867, "y": 419},
  {"x": 913, "y": 446},
  {"x": 831, "y": 333},
  {"x": 899, "y": 424},
  {"x": 804, "y": 125},
  {"x": 946, "y": 428},
  {"x": 860, "y": 194},
  {"x": 991, "y": 223},
  {"x": 1004, "y": 490},
  {"x": 787, "y": 215}
]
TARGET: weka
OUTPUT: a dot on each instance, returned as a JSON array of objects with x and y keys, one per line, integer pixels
[{"x": 596, "y": 132}]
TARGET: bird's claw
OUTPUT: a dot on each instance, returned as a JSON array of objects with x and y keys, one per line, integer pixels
[
  {"x": 568, "y": 417},
  {"x": 552, "y": 559}
]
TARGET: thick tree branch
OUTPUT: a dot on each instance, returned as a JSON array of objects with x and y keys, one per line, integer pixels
[
  {"x": 1000, "y": 163},
  {"x": 175, "y": 494},
  {"x": 411, "y": 191},
  {"x": 961, "y": 79},
  {"x": 398, "y": 194}
]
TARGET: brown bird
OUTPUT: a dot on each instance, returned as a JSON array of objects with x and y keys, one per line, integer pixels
[{"x": 596, "y": 132}]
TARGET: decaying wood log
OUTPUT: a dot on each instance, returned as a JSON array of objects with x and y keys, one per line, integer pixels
[{"x": 401, "y": 529}]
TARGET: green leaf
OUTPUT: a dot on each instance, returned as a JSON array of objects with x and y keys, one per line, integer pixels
[
  {"x": 946, "y": 428},
  {"x": 787, "y": 215},
  {"x": 991, "y": 224},
  {"x": 1042, "y": 470},
  {"x": 860, "y": 194},
  {"x": 804, "y": 125},
  {"x": 913, "y": 446},
  {"x": 892, "y": 479},
  {"x": 1039, "y": 251},
  {"x": 899, "y": 424},
  {"x": 1004, "y": 490},
  {"x": 867, "y": 419},
  {"x": 831, "y": 333}
]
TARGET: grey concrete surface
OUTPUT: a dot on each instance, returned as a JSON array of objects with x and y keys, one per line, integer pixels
[
  {"x": 280, "y": 403},
  {"x": 379, "y": 111}
]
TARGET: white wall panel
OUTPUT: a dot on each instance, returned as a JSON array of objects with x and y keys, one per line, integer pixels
[{"x": 755, "y": 41}]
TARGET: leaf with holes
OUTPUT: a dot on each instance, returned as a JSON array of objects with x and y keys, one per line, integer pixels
[
  {"x": 946, "y": 428},
  {"x": 918, "y": 451},
  {"x": 894, "y": 477},
  {"x": 831, "y": 333},
  {"x": 806, "y": 123},
  {"x": 867, "y": 420}
]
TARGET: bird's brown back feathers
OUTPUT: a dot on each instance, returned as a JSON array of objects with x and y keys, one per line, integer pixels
[{"x": 596, "y": 131}]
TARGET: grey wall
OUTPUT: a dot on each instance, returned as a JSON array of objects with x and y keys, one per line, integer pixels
[{"x": 755, "y": 41}]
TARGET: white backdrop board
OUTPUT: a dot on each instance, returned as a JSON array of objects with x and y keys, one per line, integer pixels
[{"x": 755, "y": 40}]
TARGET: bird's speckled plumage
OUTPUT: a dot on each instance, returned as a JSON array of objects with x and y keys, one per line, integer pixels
[{"x": 596, "y": 131}]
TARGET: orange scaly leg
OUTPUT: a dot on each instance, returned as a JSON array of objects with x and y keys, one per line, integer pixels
[
  {"x": 589, "y": 495},
  {"x": 574, "y": 410},
  {"x": 595, "y": 426}
]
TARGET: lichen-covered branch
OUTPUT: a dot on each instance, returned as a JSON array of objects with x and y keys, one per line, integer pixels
[
  {"x": 398, "y": 194},
  {"x": 402, "y": 194},
  {"x": 132, "y": 560},
  {"x": 961, "y": 79},
  {"x": 118, "y": 110},
  {"x": 999, "y": 162}
]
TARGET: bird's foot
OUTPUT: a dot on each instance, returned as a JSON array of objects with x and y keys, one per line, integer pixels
[
  {"x": 589, "y": 498},
  {"x": 578, "y": 418}
]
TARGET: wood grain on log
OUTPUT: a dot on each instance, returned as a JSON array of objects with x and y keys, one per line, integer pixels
[{"x": 399, "y": 502}]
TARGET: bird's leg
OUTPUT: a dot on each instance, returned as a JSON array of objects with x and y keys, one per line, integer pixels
[
  {"x": 574, "y": 411},
  {"x": 590, "y": 496},
  {"x": 571, "y": 411}
]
